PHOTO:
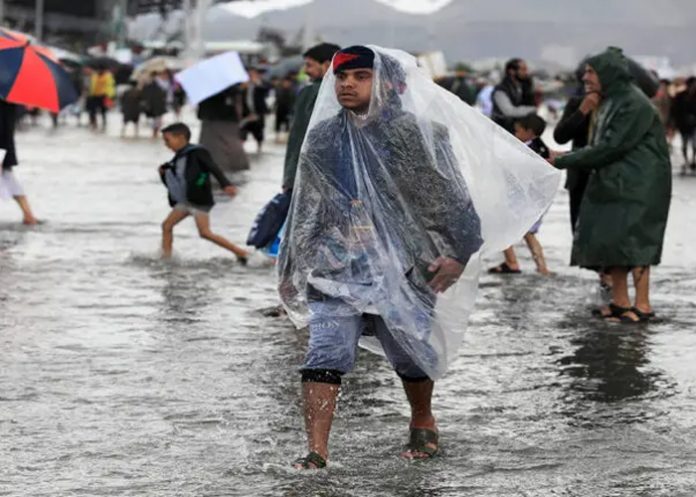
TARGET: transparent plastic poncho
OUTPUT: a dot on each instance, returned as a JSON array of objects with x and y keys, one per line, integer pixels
[{"x": 378, "y": 197}]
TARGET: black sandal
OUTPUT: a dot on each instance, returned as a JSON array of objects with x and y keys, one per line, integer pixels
[
  {"x": 420, "y": 440},
  {"x": 503, "y": 269},
  {"x": 643, "y": 316},
  {"x": 615, "y": 311},
  {"x": 310, "y": 461}
]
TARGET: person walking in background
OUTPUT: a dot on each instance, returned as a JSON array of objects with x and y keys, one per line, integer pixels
[
  {"x": 684, "y": 118},
  {"x": 484, "y": 97},
  {"x": 284, "y": 103},
  {"x": 574, "y": 127},
  {"x": 131, "y": 107},
  {"x": 102, "y": 90},
  {"x": 663, "y": 103},
  {"x": 9, "y": 186},
  {"x": 187, "y": 178},
  {"x": 317, "y": 62},
  {"x": 460, "y": 84},
  {"x": 514, "y": 96},
  {"x": 220, "y": 115},
  {"x": 178, "y": 98},
  {"x": 255, "y": 108},
  {"x": 623, "y": 214},
  {"x": 154, "y": 97}
]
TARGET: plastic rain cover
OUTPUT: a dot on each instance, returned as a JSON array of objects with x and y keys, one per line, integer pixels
[{"x": 380, "y": 196}]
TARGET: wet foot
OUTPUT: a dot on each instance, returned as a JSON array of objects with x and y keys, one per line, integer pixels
[
  {"x": 423, "y": 443},
  {"x": 30, "y": 221},
  {"x": 505, "y": 268},
  {"x": 311, "y": 461}
]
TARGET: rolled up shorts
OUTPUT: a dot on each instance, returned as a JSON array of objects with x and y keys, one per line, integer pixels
[
  {"x": 333, "y": 340},
  {"x": 192, "y": 209},
  {"x": 9, "y": 186}
]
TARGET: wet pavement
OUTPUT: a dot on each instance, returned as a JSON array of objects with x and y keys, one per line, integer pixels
[{"x": 124, "y": 375}]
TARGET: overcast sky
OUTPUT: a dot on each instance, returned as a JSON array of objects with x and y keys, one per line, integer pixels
[{"x": 560, "y": 31}]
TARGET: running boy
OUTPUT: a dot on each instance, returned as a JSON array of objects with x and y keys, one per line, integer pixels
[
  {"x": 528, "y": 130},
  {"x": 187, "y": 178}
]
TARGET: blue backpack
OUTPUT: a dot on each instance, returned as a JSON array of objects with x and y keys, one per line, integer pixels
[{"x": 269, "y": 221}]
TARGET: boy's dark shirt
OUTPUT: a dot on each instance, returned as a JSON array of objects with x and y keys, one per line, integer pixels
[
  {"x": 538, "y": 146},
  {"x": 199, "y": 167}
]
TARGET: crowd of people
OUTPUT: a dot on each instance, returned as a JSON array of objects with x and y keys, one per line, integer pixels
[{"x": 367, "y": 249}]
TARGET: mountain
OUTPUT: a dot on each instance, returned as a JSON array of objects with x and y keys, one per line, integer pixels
[{"x": 560, "y": 31}]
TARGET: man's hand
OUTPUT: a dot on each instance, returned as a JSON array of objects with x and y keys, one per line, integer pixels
[
  {"x": 553, "y": 155},
  {"x": 447, "y": 272},
  {"x": 231, "y": 190},
  {"x": 590, "y": 102}
]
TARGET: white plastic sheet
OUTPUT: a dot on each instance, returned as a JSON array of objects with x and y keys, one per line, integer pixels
[
  {"x": 211, "y": 76},
  {"x": 379, "y": 197}
]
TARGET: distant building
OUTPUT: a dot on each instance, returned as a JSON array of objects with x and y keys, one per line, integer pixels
[
  {"x": 136, "y": 7},
  {"x": 75, "y": 23}
]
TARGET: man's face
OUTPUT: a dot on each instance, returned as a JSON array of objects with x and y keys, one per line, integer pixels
[
  {"x": 254, "y": 75},
  {"x": 315, "y": 70},
  {"x": 591, "y": 80},
  {"x": 174, "y": 142},
  {"x": 522, "y": 71},
  {"x": 354, "y": 88}
]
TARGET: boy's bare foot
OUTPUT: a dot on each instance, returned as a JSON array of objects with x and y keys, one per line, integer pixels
[{"x": 30, "y": 221}]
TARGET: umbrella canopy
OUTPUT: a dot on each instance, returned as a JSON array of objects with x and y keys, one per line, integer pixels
[
  {"x": 31, "y": 75},
  {"x": 156, "y": 64}
]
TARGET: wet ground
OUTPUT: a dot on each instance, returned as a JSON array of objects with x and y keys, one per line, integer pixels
[{"x": 124, "y": 375}]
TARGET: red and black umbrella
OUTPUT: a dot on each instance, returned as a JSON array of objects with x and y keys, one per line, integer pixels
[{"x": 31, "y": 75}]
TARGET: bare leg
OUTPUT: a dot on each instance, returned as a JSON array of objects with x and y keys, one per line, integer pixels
[
  {"x": 203, "y": 225},
  {"x": 319, "y": 407},
  {"x": 174, "y": 218},
  {"x": 641, "y": 281},
  {"x": 537, "y": 253},
  {"x": 619, "y": 279},
  {"x": 23, "y": 203},
  {"x": 619, "y": 292},
  {"x": 511, "y": 258},
  {"x": 420, "y": 396}
]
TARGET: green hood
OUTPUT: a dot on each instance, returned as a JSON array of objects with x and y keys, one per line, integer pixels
[{"x": 612, "y": 68}]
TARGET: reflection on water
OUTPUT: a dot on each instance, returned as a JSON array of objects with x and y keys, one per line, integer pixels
[
  {"x": 610, "y": 366},
  {"x": 121, "y": 374}
]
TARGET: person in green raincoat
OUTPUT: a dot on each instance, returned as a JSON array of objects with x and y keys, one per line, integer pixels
[
  {"x": 623, "y": 215},
  {"x": 317, "y": 62}
]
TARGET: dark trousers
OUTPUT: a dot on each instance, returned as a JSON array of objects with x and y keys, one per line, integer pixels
[{"x": 96, "y": 105}]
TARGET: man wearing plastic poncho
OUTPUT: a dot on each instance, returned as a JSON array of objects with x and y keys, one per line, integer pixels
[{"x": 401, "y": 188}]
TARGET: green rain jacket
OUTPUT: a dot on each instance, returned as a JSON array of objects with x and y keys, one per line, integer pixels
[
  {"x": 300, "y": 122},
  {"x": 624, "y": 211}
]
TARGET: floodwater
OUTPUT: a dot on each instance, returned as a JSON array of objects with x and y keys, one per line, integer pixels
[{"x": 122, "y": 375}]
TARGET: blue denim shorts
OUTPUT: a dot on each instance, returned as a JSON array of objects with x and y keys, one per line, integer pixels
[{"x": 334, "y": 335}]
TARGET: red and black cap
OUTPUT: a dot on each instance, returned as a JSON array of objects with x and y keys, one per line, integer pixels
[{"x": 355, "y": 57}]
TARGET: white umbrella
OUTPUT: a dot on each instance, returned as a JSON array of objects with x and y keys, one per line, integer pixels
[
  {"x": 156, "y": 64},
  {"x": 211, "y": 76}
]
